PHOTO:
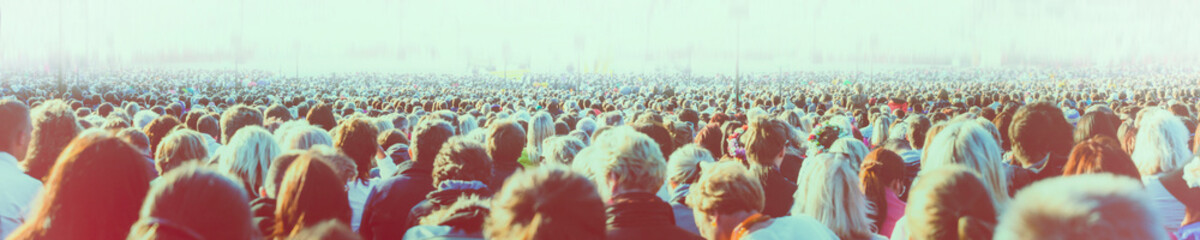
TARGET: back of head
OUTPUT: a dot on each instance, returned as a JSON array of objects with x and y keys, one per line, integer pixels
[
  {"x": 630, "y": 159},
  {"x": 357, "y": 138},
  {"x": 766, "y": 139},
  {"x": 463, "y": 160},
  {"x": 96, "y": 177},
  {"x": 276, "y": 172},
  {"x": 198, "y": 203},
  {"x": 1089, "y": 206},
  {"x": 249, "y": 154},
  {"x": 950, "y": 202},
  {"x": 880, "y": 170},
  {"x": 158, "y": 129},
  {"x": 1161, "y": 142},
  {"x": 54, "y": 125},
  {"x": 854, "y": 149},
  {"x": 236, "y": 117},
  {"x": 506, "y": 140},
  {"x": 179, "y": 147},
  {"x": 1100, "y": 154},
  {"x": 829, "y": 191},
  {"x": 549, "y": 202},
  {"x": 311, "y": 193},
  {"x": 1095, "y": 124},
  {"x": 321, "y": 116},
  {"x": 969, "y": 144},
  {"x": 561, "y": 149},
  {"x": 684, "y": 166},
  {"x": 1039, "y": 129},
  {"x": 305, "y": 137},
  {"x": 540, "y": 128},
  {"x": 726, "y": 188},
  {"x": 428, "y": 137}
]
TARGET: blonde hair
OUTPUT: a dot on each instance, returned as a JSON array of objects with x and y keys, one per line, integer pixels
[
  {"x": 179, "y": 147},
  {"x": 1089, "y": 206},
  {"x": 541, "y": 127},
  {"x": 561, "y": 149},
  {"x": 854, "y": 149},
  {"x": 726, "y": 188},
  {"x": 249, "y": 155},
  {"x": 630, "y": 155},
  {"x": 305, "y": 137},
  {"x": 686, "y": 162},
  {"x": 1161, "y": 143},
  {"x": 829, "y": 192},
  {"x": 549, "y": 202},
  {"x": 969, "y": 144},
  {"x": 950, "y": 202}
]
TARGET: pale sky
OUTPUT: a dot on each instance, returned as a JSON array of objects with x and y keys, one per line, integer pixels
[{"x": 456, "y": 36}]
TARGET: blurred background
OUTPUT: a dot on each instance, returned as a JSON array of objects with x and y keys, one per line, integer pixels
[{"x": 306, "y": 37}]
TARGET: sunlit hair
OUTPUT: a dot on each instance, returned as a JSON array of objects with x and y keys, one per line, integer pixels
[
  {"x": 541, "y": 127},
  {"x": 135, "y": 138},
  {"x": 950, "y": 202},
  {"x": 1101, "y": 154},
  {"x": 1090, "y": 206},
  {"x": 630, "y": 156},
  {"x": 1039, "y": 129},
  {"x": 158, "y": 129},
  {"x": 881, "y": 169},
  {"x": 143, "y": 118},
  {"x": 969, "y": 144},
  {"x": 561, "y": 149},
  {"x": 466, "y": 124},
  {"x": 54, "y": 126},
  {"x": 830, "y": 192},
  {"x": 462, "y": 159},
  {"x": 249, "y": 155},
  {"x": 725, "y": 188},
  {"x": 505, "y": 141},
  {"x": 685, "y": 165},
  {"x": 1161, "y": 143},
  {"x": 193, "y": 202},
  {"x": 341, "y": 164},
  {"x": 179, "y": 147},
  {"x": 311, "y": 193},
  {"x": 94, "y": 191},
  {"x": 879, "y": 132},
  {"x": 237, "y": 117},
  {"x": 471, "y": 205},
  {"x": 287, "y": 128},
  {"x": 549, "y": 202},
  {"x": 587, "y": 125},
  {"x": 278, "y": 168},
  {"x": 357, "y": 139},
  {"x": 321, "y": 116},
  {"x": 381, "y": 124},
  {"x": 304, "y": 137},
  {"x": 854, "y": 149},
  {"x": 613, "y": 119},
  {"x": 428, "y": 138},
  {"x": 1095, "y": 124},
  {"x": 766, "y": 139}
]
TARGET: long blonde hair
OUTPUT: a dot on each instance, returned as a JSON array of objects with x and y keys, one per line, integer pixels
[{"x": 829, "y": 192}]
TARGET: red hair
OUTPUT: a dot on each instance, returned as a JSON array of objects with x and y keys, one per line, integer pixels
[{"x": 1100, "y": 154}]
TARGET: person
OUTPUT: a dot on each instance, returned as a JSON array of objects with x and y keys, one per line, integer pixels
[
  {"x": 854, "y": 149},
  {"x": 1184, "y": 184},
  {"x": 727, "y": 203},
  {"x": 883, "y": 181},
  {"x": 505, "y": 140},
  {"x": 312, "y": 192},
  {"x": 765, "y": 140},
  {"x": 97, "y": 177},
  {"x": 968, "y": 144},
  {"x": 159, "y": 129},
  {"x": 561, "y": 149},
  {"x": 263, "y": 207},
  {"x": 248, "y": 156},
  {"x": 948, "y": 202},
  {"x": 710, "y": 135},
  {"x": 54, "y": 125},
  {"x": 1161, "y": 147},
  {"x": 237, "y": 117},
  {"x": 683, "y": 169},
  {"x": 1089, "y": 206},
  {"x": 830, "y": 192},
  {"x": 304, "y": 137},
  {"x": 385, "y": 215},
  {"x": 197, "y": 203},
  {"x": 178, "y": 148},
  {"x": 357, "y": 139},
  {"x": 461, "y": 169},
  {"x": 540, "y": 128},
  {"x": 1041, "y": 140},
  {"x": 1100, "y": 154},
  {"x": 548, "y": 202},
  {"x": 20, "y": 189}
]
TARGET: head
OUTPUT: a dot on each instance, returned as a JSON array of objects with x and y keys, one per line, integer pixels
[
  {"x": 506, "y": 140},
  {"x": 854, "y": 149},
  {"x": 305, "y": 137},
  {"x": 312, "y": 192},
  {"x": 1161, "y": 143},
  {"x": 194, "y": 201},
  {"x": 950, "y": 202},
  {"x": 541, "y": 127},
  {"x": 54, "y": 125},
  {"x": 357, "y": 138},
  {"x": 1089, "y": 206},
  {"x": 277, "y": 171},
  {"x": 180, "y": 147},
  {"x": 463, "y": 160},
  {"x": 428, "y": 137},
  {"x": 686, "y": 163},
  {"x": 158, "y": 129},
  {"x": 882, "y": 170},
  {"x": 321, "y": 116},
  {"x": 1100, "y": 154},
  {"x": 720, "y": 195},
  {"x": 98, "y": 176},
  {"x": 829, "y": 191},
  {"x": 549, "y": 202},
  {"x": 248, "y": 156},
  {"x": 1037, "y": 130},
  {"x": 237, "y": 117},
  {"x": 766, "y": 139},
  {"x": 626, "y": 161},
  {"x": 561, "y": 150},
  {"x": 968, "y": 144},
  {"x": 1095, "y": 124}
]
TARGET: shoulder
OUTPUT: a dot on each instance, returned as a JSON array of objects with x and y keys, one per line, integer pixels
[
  {"x": 426, "y": 232},
  {"x": 793, "y": 227}
]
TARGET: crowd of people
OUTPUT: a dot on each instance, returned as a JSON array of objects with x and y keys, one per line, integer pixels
[{"x": 909, "y": 154}]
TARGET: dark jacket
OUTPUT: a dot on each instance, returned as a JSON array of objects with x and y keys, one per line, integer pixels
[
  {"x": 791, "y": 166},
  {"x": 263, "y": 212},
  {"x": 502, "y": 171},
  {"x": 1021, "y": 177},
  {"x": 778, "y": 191},
  {"x": 643, "y": 216},
  {"x": 385, "y": 215},
  {"x": 447, "y": 194}
]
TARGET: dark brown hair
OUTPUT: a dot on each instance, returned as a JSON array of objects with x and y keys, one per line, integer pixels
[
  {"x": 311, "y": 193},
  {"x": 356, "y": 138},
  {"x": 880, "y": 169},
  {"x": 462, "y": 159}
]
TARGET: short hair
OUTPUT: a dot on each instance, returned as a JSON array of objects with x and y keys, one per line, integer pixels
[
  {"x": 548, "y": 202},
  {"x": 54, "y": 126},
  {"x": 657, "y": 132},
  {"x": 143, "y": 118},
  {"x": 466, "y": 124},
  {"x": 321, "y": 116},
  {"x": 1038, "y": 129},
  {"x": 278, "y": 112},
  {"x": 305, "y": 137},
  {"x": 686, "y": 163},
  {"x": 629, "y": 155},
  {"x": 1095, "y": 124},
  {"x": 765, "y": 139},
  {"x": 464, "y": 160},
  {"x": 1090, "y": 206},
  {"x": 950, "y": 202},
  {"x": 854, "y": 149},
  {"x": 275, "y": 173},
  {"x": 541, "y": 127},
  {"x": 248, "y": 156},
  {"x": 356, "y": 138},
  {"x": 209, "y": 125},
  {"x": 158, "y": 129},
  {"x": 561, "y": 149},
  {"x": 587, "y": 125},
  {"x": 179, "y": 147},
  {"x": 506, "y": 140},
  {"x": 1161, "y": 143},
  {"x": 237, "y": 117},
  {"x": 724, "y": 189},
  {"x": 195, "y": 200},
  {"x": 135, "y": 138},
  {"x": 1100, "y": 154},
  {"x": 428, "y": 138},
  {"x": 341, "y": 164},
  {"x": 311, "y": 193},
  {"x": 392, "y": 137},
  {"x": 969, "y": 144},
  {"x": 830, "y": 192}
]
